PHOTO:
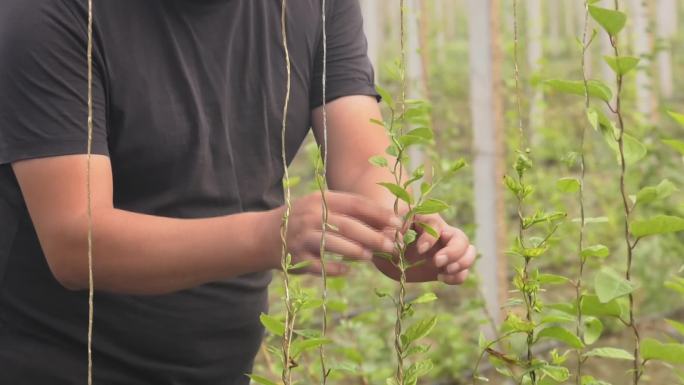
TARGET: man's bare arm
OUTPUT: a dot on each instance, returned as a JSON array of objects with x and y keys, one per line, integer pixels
[
  {"x": 134, "y": 253},
  {"x": 143, "y": 254}
]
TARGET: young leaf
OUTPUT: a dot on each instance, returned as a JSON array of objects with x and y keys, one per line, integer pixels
[
  {"x": 676, "y": 144},
  {"x": 592, "y": 306},
  {"x": 660, "y": 224},
  {"x": 623, "y": 64},
  {"x": 410, "y": 236},
  {"x": 610, "y": 285},
  {"x": 558, "y": 374},
  {"x": 428, "y": 229},
  {"x": 431, "y": 206},
  {"x": 589, "y": 380},
  {"x": 552, "y": 279},
  {"x": 378, "y": 160},
  {"x": 614, "y": 353},
  {"x": 672, "y": 353},
  {"x": 261, "y": 380},
  {"x": 596, "y": 88},
  {"x": 386, "y": 96},
  {"x": 560, "y": 334},
  {"x": 418, "y": 330},
  {"x": 398, "y": 191},
  {"x": 678, "y": 326},
  {"x": 633, "y": 149},
  {"x": 273, "y": 325},
  {"x": 599, "y": 251},
  {"x": 425, "y": 298},
  {"x": 302, "y": 345},
  {"x": 568, "y": 185},
  {"x": 654, "y": 193},
  {"x": 593, "y": 327},
  {"x": 679, "y": 118},
  {"x": 611, "y": 20}
]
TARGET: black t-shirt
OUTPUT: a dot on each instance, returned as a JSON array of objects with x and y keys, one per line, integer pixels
[{"x": 188, "y": 99}]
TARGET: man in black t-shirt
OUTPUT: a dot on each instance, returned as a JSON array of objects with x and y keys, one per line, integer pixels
[{"x": 186, "y": 179}]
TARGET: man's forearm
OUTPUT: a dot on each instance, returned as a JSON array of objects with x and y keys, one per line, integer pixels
[{"x": 142, "y": 254}]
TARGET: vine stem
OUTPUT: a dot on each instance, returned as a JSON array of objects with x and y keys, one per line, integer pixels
[
  {"x": 580, "y": 245},
  {"x": 89, "y": 192},
  {"x": 528, "y": 295},
  {"x": 397, "y": 171},
  {"x": 322, "y": 186},
  {"x": 636, "y": 367},
  {"x": 285, "y": 256}
]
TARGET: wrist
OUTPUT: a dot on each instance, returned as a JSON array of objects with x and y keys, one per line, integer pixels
[{"x": 268, "y": 239}]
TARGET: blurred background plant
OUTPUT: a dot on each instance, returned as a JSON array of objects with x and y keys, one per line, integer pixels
[{"x": 460, "y": 60}]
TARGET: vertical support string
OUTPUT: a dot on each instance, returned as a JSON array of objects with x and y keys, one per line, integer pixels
[
  {"x": 89, "y": 193},
  {"x": 286, "y": 257},
  {"x": 578, "y": 287},
  {"x": 322, "y": 184}
]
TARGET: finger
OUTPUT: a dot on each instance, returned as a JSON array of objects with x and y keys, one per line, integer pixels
[
  {"x": 453, "y": 251},
  {"x": 336, "y": 244},
  {"x": 332, "y": 268},
  {"x": 368, "y": 237},
  {"x": 454, "y": 279},
  {"x": 426, "y": 241},
  {"x": 364, "y": 209},
  {"x": 466, "y": 262},
  {"x": 448, "y": 234}
]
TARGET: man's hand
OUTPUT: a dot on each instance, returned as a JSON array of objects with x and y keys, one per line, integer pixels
[
  {"x": 447, "y": 259},
  {"x": 358, "y": 227}
]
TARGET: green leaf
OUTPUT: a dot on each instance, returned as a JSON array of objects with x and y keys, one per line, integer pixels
[
  {"x": 552, "y": 279},
  {"x": 386, "y": 96},
  {"x": 589, "y": 380},
  {"x": 622, "y": 64},
  {"x": 428, "y": 229},
  {"x": 611, "y": 20},
  {"x": 599, "y": 251},
  {"x": 610, "y": 285},
  {"x": 593, "y": 328},
  {"x": 560, "y": 334},
  {"x": 592, "y": 306},
  {"x": 261, "y": 380},
  {"x": 273, "y": 325},
  {"x": 418, "y": 330},
  {"x": 660, "y": 224},
  {"x": 613, "y": 353},
  {"x": 515, "y": 323},
  {"x": 417, "y": 370},
  {"x": 672, "y": 353},
  {"x": 633, "y": 149},
  {"x": 302, "y": 345},
  {"x": 678, "y": 326},
  {"x": 378, "y": 160},
  {"x": 410, "y": 236},
  {"x": 600, "y": 122},
  {"x": 431, "y": 206},
  {"x": 654, "y": 193},
  {"x": 398, "y": 191},
  {"x": 568, "y": 185},
  {"x": 596, "y": 88},
  {"x": 558, "y": 374},
  {"x": 456, "y": 166},
  {"x": 679, "y": 118},
  {"x": 676, "y": 144},
  {"x": 425, "y": 298}
]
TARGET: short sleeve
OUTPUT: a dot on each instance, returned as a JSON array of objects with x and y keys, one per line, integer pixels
[
  {"x": 43, "y": 81},
  {"x": 349, "y": 70}
]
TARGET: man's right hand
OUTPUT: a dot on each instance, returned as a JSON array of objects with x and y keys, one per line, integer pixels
[{"x": 358, "y": 227}]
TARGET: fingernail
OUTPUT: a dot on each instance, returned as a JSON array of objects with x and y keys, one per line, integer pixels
[
  {"x": 423, "y": 247},
  {"x": 396, "y": 222},
  {"x": 440, "y": 260},
  {"x": 453, "y": 268},
  {"x": 388, "y": 246}
]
